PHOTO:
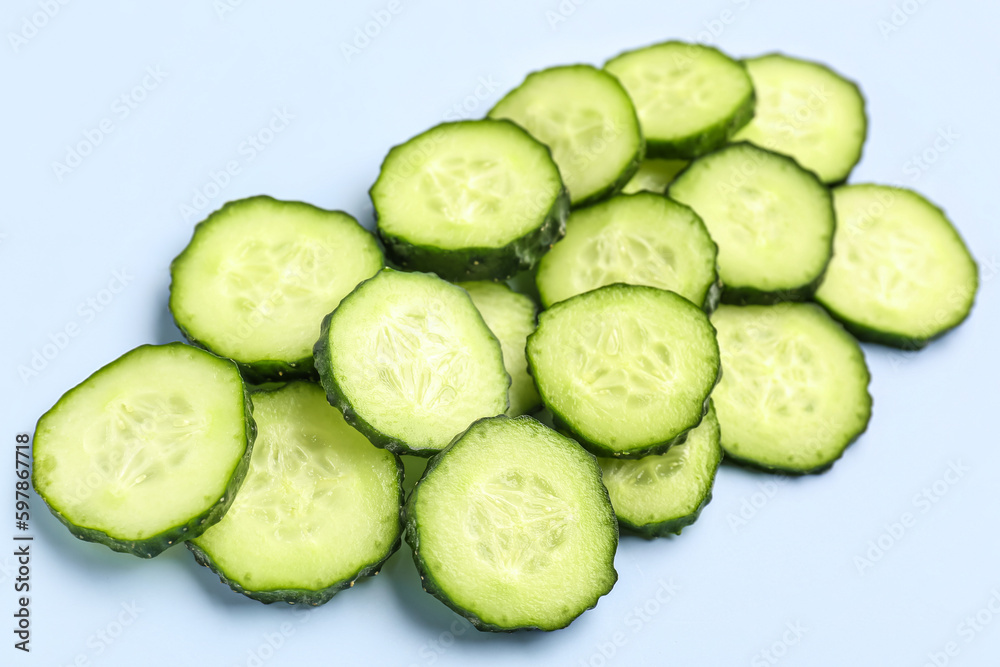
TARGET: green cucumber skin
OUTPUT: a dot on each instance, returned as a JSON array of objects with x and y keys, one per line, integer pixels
[
  {"x": 716, "y": 136},
  {"x": 464, "y": 264},
  {"x": 431, "y": 585},
  {"x": 263, "y": 370},
  {"x": 338, "y": 399},
  {"x": 907, "y": 343},
  {"x": 652, "y": 531},
  {"x": 300, "y": 595},
  {"x": 155, "y": 545}
]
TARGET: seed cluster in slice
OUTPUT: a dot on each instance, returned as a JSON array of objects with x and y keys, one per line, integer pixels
[
  {"x": 259, "y": 275},
  {"x": 807, "y": 111},
  {"x": 773, "y": 221},
  {"x": 691, "y": 98},
  {"x": 511, "y": 317},
  {"x": 470, "y": 200},
  {"x": 319, "y": 508},
  {"x": 640, "y": 239},
  {"x": 794, "y": 389},
  {"x": 512, "y": 528},
  {"x": 585, "y": 116},
  {"x": 148, "y": 451},
  {"x": 410, "y": 362},
  {"x": 660, "y": 495},
  {"x": 926, "y": 289},
  {"x": 626, "y": 369}
]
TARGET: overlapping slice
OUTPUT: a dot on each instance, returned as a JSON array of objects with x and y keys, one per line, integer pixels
[
  {"x": 585, "y": 116},
  {"x": 511, "y": 527},
  {"x": 691, "y": 98},
  {"x": 900, "y": 274},
  {"x": 654, "y": 175},
  {"x": 640, "y": 239},
  {"x": 626, "y": 369},
  {"x": 259, "y": 275},
  {"x": 320, "y": 507},
  {"x": 148, "y": 451},
  {"x": 660, "y": 495},
  {"x": 410, "y": 362},
  {"x": 794, "y": 389}
]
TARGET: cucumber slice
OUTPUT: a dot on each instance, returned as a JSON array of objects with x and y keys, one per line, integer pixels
[
  {"x": 410, "y": 362},
  {"x": 511, "y": 317},
  {"x": 901, "y": 274},
  {"x": 625, "y": 369},
  {"x": 773, "y": 221},
  {"x": 148, "y": 451},
  {"x": 259, "y": 275},
  {"x": 808, "y": 111},
  {"x": 640, "y": 239},
  {"x": 654, "y": 175},
  {"x": 794, "y": 392},
  {"x": 471, "y": 200},
  {"x": 660, "y": 495},
  {"x": 691, "y": 98},
  {"x": 320, "y": 507},
  {"x": 511, "y": 527},
  {"x": 587, "y": 119}
]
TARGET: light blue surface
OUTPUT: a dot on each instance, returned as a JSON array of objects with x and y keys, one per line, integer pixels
[{"x": 221, "y": 79}]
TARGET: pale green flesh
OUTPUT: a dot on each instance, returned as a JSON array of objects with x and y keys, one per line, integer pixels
[
  {"x": 511, "y": 318},
  {"x": 807, "y": 111},
  {"x": 641, "y": 239},
  {"x": 626, "y": 367},
  {"x": 586, "y": 118},
  {"x": 515, "y": 527},
  {"x": 415, "y": 359},
  {"x": 794, "y": 388},
  {"x": 681, "y": 89},
  {"x": 898, "y": 264},
  {"x": 660, "y": 488},
  {"x": 773, "y": 221},
  {"x": 257, "y": 279},
  {"x": 654, "y": 175},
  {"x": 477, "y": 184},
  {"x": 159, "y": 423},
  {"x": 319, "y": 503}
]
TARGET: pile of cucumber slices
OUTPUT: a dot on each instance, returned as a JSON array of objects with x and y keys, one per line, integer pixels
[{"x": 704, "y": 274}]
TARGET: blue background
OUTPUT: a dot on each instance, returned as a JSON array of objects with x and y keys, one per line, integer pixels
[{"x": 767, "y": 553}]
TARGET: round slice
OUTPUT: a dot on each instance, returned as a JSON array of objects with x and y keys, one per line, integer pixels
[
  {"x": 660, "y": 495},
  {"x": 512, "y": 528},
  {"x": 511, "y": 317},
  {"x": 654, "y": 175},
  {"x": 472, "y": 200},
  {"x": 259, "y": 275},
  {"x": 794, "y": 389},
  {"x": 900, "y": 273},
  {"x": 773, "y": 221},
  {"x": 320, "y": 507},
  {"x": 410, "y": 362},
  {"x": 691, "y": 98},
  {"x": 148, "y": 451},
  {"x": 585, "y": 116},
  {"x": 625, "y": 369},
  {"x": 808, "y": 111},
  {"x": 640, "y": 239}
]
